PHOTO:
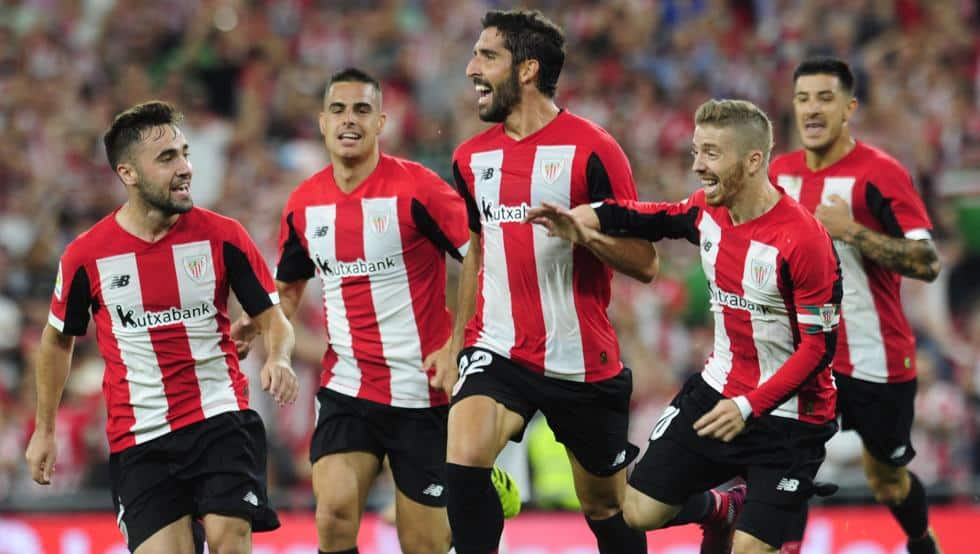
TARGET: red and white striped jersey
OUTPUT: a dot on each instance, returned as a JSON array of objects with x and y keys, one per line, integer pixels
[
  {"x": 380, "y": 253},
  {"x": 775, "y": 288},
  {"x": 540, "y": 301},
  {"x": 161, "y": 318},
  {"x": 875, "y": 342}
]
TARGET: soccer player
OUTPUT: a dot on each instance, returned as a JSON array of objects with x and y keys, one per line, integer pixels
[
  {"x": 155, "y": 275},
  {"x": 868, "y": 203},
  {"x": 376, "y": 229},
  {"x": 763, "y": 406},
  {"x": 538, "y": 337}
]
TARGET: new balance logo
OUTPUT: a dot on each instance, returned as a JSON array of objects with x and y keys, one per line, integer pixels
[
  {"x": 251, "y": 498},
  {"x": 434, "y": 490},
  {"x": 788, "y": 485},
  {"x": 119, "y": 281},
  {"x": 620, "y": 458},
  {"x": 487, "y": 174},
  {"x": 899, "y": 452},
  {"x": 321, "y": 231}
]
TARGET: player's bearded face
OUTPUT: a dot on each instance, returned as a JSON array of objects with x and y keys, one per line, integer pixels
[
  {"x": 822, "y": 109},
  {"x": 718, "y": 164},
  {"x": 504, "y": 96},
  {"x": 163, "y": 171}
]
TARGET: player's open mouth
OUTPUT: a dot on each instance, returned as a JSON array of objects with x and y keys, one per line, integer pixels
[
  {"x": 710, "y": 185},
  {"x": 349, "y": 138},
  {"x": 813, "y": 128},
  {"x": 484, "y": 93},
  {"x": 182, "y": 189}
]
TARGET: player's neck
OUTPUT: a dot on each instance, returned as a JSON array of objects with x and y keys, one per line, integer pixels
[
  {"x": 349, "y": 174},
  {"x": 817, "y": 160},
  {"x": 534, "y": 112},
  {"x": 757, "y": 198},
  {"x": 144, "y": 222}
]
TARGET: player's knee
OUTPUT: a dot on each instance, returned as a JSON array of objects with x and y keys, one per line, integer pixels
[
  {"x": 639, "y": 514},
  {"x": 889, "y": 493},
  {"x": 471, "y": 454},
  {"x": 598, "y": 506},
  {"x": 744, "y": 543},
  {"x": 230, "y": 539},
  {"x": 424, "y": 541},
  {"x": 336, "y": 522}
]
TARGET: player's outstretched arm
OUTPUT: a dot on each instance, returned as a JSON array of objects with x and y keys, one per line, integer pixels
[
  {"x": 635, "y": 257},
  {"x": 915, "y": 258},
  {"x": 277, "y": 373},
  {"x": 54, "y": 361}
]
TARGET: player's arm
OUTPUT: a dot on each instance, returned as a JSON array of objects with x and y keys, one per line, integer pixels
[
  {"x": 465, "y": 309},
  {"x": 250, "y": 279},
  {"x": 277, "y": 374},
  {"x": 905, "y": 246},
  {"x": 53, "y": 363},
  {"x": 635, "y": 257}
]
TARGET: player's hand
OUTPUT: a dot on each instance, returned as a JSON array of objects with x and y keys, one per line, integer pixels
[
  {"x": 835, "y": 216},
  {"x": 575, "y": 225},
  {"x": 242, "y": 332},
  {"x": 724, "y": 422},
  {"x": 444, "y": 370},
  {"x": 279, "y": 380},
  {"x": 41, "y": 455}
]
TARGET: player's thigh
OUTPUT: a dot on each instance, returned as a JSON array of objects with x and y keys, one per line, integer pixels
[
  {"x": 777, "y": 505},
  {"x": 173, "y": 538},
  {"x": 415, "y": 441},
  {"x": 422, "y": 529},
  {"x": 601, "y": 496},
  {"x": 228, "y": 534},
  {"x": 490, "y": 406},
  {"x": 744, "y": 543},
  {"x": 147, "y": 496},
  {"x": 341, "y": 483},
  {"x": 592, "y": 421},
  {"x": 882, "y": 414},
  {"x": 227, "y": 469}
]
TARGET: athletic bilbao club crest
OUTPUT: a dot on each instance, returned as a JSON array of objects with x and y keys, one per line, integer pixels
[
  {"x": 761, "y": 271},
  {"x": 551, "y": 170},
  {"x": 196, "y": 267},
  {"x": 828, "y": 316},
  {"x": 379, "y": 223}
]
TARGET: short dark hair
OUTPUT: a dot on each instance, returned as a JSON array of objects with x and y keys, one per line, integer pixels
[
  {"x": 529, "y": 35},
  {"x": 827, "y": 65},
  {"x": 352, "y": 75},
  {"x": 128, "y": 127}
]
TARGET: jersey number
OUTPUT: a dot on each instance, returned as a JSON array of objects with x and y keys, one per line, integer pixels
[{"x": 669, "y": 414}]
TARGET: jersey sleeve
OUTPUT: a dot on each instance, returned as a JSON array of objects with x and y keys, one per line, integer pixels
[
  {"x": 248, "y": 273},
  {"x": 650, "y": 220},
  {"x": 814, "y": 279},
  {"x": 608, "y": 172},
  {"x": 440, "y": 214},
  {"x": 894, "y": 202},
  {"x": 72, "y": 300},
  {"x": 462, "y": 182},
  {"x": 294, "y": 258}
]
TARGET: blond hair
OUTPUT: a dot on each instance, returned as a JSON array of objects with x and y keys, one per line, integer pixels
[{"x": 753, "y": 130}]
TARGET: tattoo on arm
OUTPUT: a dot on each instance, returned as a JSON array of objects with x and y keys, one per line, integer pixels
[{"x": 908, "y": 257}]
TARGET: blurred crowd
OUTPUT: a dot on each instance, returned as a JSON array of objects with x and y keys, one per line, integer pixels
[{"x": 249, "y": 76}]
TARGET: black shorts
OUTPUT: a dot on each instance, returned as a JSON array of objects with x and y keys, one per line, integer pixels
[
  {"x": 777, "y": 457},
  {"x": 590, "y": 419},
  {"x": 882, "y": 414},
  {"x": 414, "y": 439},
  {"x": 216, "y": 466}
]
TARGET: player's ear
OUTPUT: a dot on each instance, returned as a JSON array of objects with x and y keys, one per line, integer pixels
[
  {"x": 382, "y": 118},
  {"x": 528, "y": 71},
  {"x": 322, "y": 121},
  {"x": 127, "y": 173},
  {"x": 852, "y": 105},
  {"x": 755, "y": 162}
]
